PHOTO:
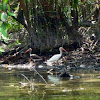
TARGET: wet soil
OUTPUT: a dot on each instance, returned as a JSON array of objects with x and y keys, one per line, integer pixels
[{"x": 72, "y": 59}]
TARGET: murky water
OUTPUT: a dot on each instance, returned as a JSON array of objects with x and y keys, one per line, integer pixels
[{"x": 85, "y": 85}]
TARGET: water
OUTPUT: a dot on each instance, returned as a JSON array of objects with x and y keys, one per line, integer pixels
[{"x": 85, "y": 85}]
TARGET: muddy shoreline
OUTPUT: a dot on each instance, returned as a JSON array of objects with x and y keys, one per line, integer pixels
[{"x": 70, "y": 61}]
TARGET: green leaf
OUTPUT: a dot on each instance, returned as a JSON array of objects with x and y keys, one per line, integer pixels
[
  {"x": 11, "y": 14},
  {"x": 0, "y": 6},
  {"x": 1, "y": 50},
  {"x": 29, "y": 1},
  {"x": 5, "y": 4},
  {"x": 4, "y": 31},
  {"x": 7, "y": 25},
  {"x": 6, "y": 1},
  {"x": 0, "y": 31},
  {"x": 0, "y": 15},
  {"x": 75, "y": 3},
  {"x": 4, "y": 16},
  {"x": 8, "y": 6},
  {"x": 0, "y": 34}
]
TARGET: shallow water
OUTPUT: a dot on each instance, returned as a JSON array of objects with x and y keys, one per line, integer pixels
[{"x": 85, "y": 85}]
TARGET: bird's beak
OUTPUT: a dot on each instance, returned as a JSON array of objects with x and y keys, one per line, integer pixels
[
  {"x": 27, "y": 51},
  {"x": 64, "y": 50}
]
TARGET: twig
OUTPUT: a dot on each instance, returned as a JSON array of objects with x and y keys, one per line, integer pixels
[
  {"x": 26, "y": 78},
  {"x": 39, "y": 75},
  {"x": 31, "y": 85}
]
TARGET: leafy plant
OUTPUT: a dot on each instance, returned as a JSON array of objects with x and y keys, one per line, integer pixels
[
  {"x": 1, "y": 50},
  {"x": 4, "y": 25}
]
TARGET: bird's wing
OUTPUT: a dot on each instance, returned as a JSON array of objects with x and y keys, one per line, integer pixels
[
  {"x": 54, "y": 58},
  {"x": 34, "y": 56}
]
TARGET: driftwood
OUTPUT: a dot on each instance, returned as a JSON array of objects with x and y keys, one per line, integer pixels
[
  {"x": 59, "y": 70},
  {"x": 19, "y": 66}
]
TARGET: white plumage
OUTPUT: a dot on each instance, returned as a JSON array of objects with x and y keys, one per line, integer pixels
[{"x": 56, "y": 57}]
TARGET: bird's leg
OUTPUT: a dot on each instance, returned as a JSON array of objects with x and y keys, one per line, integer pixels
[
  {"x": 57, "y": 68},
  {"x": 57, "y": 63}
]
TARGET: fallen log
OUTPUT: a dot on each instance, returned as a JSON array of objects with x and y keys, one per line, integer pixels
[{"x": 19, "y": 66}]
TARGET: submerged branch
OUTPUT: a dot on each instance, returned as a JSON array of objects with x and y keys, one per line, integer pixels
[
  {"x": 39, "y": 75},
  {"x": 31, "y": 84},
  {"x": 26, "y": 78}
]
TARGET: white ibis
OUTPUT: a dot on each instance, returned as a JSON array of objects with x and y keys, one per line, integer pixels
[
  {"x": 34, "y": 57},
  {"x": 56, "y": 57}
]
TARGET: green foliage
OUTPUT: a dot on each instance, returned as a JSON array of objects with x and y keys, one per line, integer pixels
[
  {"x": 11, "y": 14},
  {"x": 29, "y": 1},
  {"x": 75, "y": 3},
  {"x": 4, "y": 25},
  {"x": 1, "y": 50},
  {"x": 4, "y": 17},
  {"x": 4, "y": 5},
  {"x": 67, "y": 11},
  {"x": 42, "y": 16},
  {"x": 4, "y": 31},
  {"x": 13, "y": 25},
  {"x": 0, "y": 6}
]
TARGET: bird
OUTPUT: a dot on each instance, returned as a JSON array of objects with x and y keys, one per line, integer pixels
[
  {"x": 56, "y": 57},
  {"x": 33, "y": 57}
]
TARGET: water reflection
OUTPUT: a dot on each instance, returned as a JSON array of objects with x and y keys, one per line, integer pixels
[
  {"x": 83, "y": 85},
  {"x": 54, "y": 79}
]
